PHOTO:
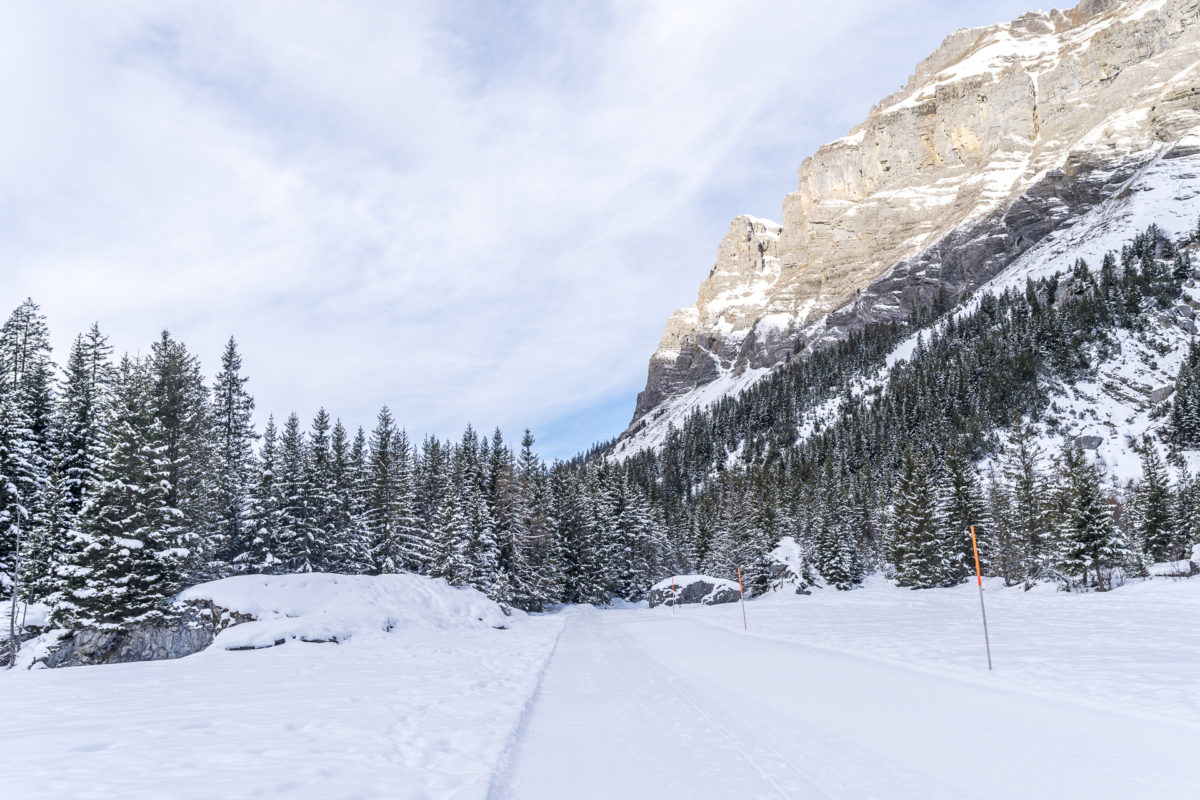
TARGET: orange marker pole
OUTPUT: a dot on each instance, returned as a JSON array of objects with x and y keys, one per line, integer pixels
[
  {"x": 674, "y": 597},
  {"x": 979, "y": 580},
  {"x": 742, "y": 597}
]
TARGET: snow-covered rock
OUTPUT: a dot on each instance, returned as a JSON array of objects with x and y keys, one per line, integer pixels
[
  {"x": 789, "y": 569},
  {"x": 250, "y": 612},
  {"x": 684, "y": 589}
]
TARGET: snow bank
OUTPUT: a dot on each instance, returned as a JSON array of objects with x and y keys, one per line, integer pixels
[{"x": 320, "y": 607}]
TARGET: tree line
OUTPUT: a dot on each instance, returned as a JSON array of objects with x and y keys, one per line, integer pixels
[{"x": 123, "y": 480}]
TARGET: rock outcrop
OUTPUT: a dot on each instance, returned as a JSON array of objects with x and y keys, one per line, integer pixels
[
  {"x": 689, "y": 589},
  {"x": 190, "y": 630},
  {"x": 1002, "y": 136}
]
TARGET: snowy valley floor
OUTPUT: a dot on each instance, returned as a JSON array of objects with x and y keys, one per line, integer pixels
[{"x": 875, "y": 693}]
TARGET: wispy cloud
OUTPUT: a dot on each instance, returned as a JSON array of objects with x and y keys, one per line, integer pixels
[{"x": 472, "y": 211}]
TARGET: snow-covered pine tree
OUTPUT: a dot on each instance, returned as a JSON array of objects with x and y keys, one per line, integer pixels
[
  {"x": 126, "y": 562},
  {"x": 961, "y": 505},
  {"x": 297, "y": 548},
  {"x": 583, "y": 577},
  {"x": 46, "y": 544},
  {"x": 381, "y": 508},
  {"x": 347, "y": 552},
  {"x": 1153, "y": 526},
  {"x": 18, "y": 476},
  {"x": 918, "y": 551},
  {"x": 233, "y": 461},
  {"x": 263, "y": 553},
  {"x": 483, "y": 552},
  {"x": 1005, "y": 551},
  {"x": 836, "y": 550},
  {"x": 322, "y": 496},
  {"x": 452, "y": 534},
  {"x": 179, "y": 401},
  {"x": 27, "y": 450},
  {"x": 1185, "y": 410},
  {"x": 1185, "y": 515},
  {"x": 1092, "y": 543},
  {"x": 1029, "y": 512},
  {"x": 542, "y": 552},
  {"x": 86, "y": 394},
  {"x": 416, "y": 552}
]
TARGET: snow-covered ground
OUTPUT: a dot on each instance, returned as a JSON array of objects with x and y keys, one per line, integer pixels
[
  {"x": 880, "y": 692},
  {"x": 425, "y": 710}
]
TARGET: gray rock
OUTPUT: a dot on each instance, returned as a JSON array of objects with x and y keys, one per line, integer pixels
[
  {"x": 192, "y": 629},
  {"x": 1185, "y": 310},
  {"x": 1161, "y": 393},
  {"x": 1188, "y": 325},
  {"x": 709, "y": 592},
  {"x": 1089, "y": 442}
]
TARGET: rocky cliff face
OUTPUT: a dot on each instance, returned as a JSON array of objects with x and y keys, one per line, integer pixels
[{"x": 1002, "y": 136}]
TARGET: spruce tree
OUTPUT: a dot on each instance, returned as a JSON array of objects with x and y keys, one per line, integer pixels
[
  {"x": 86, "y": 392},
  {"x": 298, "y": 546},
  {"x": 233, "y": 461},
  {"x": 1153, "y": 527},
  {"x": 1093, "y": 545},
  {"x": 126, "y": 562},
  {"x": 961, "y": 506},
  {"x": 179, "y": 402},
  {"x": 264, "y": 552},
  {"x": 1029, "y": 520},
  {"x": 919, "y": 555}
]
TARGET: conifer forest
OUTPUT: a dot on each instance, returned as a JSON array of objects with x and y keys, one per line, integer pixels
[{"x": 123, "y": 479}]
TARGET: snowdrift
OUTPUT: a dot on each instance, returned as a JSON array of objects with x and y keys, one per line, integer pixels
[{"x": 319, "y": 607}]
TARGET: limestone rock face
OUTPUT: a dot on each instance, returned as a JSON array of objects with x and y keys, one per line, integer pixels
[{"x": 1000, "y": 137}]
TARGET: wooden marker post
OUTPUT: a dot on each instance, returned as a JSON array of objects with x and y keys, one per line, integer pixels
[
  {"x": 979, "y": 580},
  {"x": 742, "y": 597},
  {"x": 674, "y": 597}
]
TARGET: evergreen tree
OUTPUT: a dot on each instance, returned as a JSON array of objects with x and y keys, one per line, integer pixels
[
  {"x": 233, "y": 462},
  {"x": 126, "y": 564},
  {"x": 86, "y": 393},
  {"x": 264, "y": 551},
  {"x": 1029, "y": 513},
  {"x": 961, "y": 506},
  {"x": 1154, "y": 529},
  {"x": 1092, "y": 542},
  {"x": 918, "y": 552},
  {"x": 1185, "y": 516},
  {"x": 179, "y": 402},
  {"x": 298, "y": 545}
]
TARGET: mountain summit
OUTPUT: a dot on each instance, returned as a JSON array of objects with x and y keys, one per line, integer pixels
[{"x": 1005, "y": 135}]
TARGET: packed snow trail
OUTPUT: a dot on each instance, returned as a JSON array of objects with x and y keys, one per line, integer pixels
[{"x": 642, "y": 704}]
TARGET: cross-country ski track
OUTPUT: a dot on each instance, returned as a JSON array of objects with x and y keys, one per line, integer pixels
[{"x": 638, "y": 704}]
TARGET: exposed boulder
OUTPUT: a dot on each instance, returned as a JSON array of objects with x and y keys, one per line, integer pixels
[
  {"x": 694, "y": 589},
  {"x": 191, "y": 628},
  {"x": 1161, "y": 393}
]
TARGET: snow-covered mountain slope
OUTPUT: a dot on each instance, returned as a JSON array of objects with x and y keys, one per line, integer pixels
[
  {"x": 1164, "y": 191},
  {"x": 1005, "y": 135}
]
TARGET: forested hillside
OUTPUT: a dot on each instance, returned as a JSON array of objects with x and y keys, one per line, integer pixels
[{"x": 124, "y": 480}]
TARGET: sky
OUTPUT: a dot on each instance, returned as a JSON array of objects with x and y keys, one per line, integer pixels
[{"x": 474, "y": 212}]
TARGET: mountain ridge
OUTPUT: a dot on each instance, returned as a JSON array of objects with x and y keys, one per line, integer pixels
[{"x": 1003, "y": 135}]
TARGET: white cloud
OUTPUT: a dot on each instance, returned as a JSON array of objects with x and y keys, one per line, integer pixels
[{"x": 471, "y": 212}]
